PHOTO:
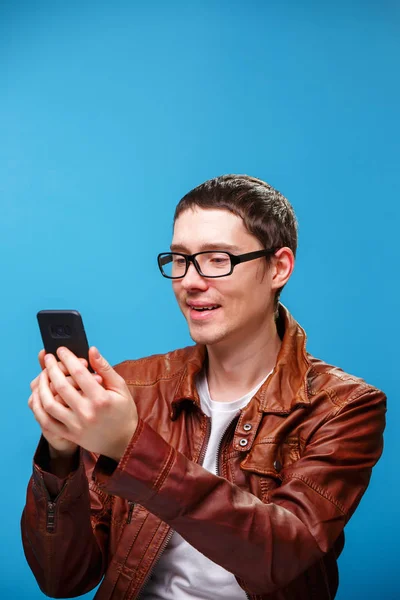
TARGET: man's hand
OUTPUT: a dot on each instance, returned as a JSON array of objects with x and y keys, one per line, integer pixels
[
  {"x": 79, "y": 409},
  {"x": 59, "y": 448}
]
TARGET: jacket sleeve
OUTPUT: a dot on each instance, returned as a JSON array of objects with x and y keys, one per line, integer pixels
[
  {"x": 65, "y": 526},
  {"x": 266, "y": 545}
]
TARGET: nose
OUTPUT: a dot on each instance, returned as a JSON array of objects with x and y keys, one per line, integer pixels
[{"x": 193, "y": 280}]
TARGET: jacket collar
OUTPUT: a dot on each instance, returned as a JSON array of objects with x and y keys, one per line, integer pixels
[{"x": 285, "y": 389}]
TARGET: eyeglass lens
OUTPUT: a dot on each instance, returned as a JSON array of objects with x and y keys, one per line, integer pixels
[{"x": 211, "y": 264}]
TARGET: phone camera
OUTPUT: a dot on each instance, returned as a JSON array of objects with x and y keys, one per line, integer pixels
[{"x": 60, "y": 331}]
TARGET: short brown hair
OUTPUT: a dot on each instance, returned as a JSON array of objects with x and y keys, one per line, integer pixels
[{"x": 266, "y": 213}]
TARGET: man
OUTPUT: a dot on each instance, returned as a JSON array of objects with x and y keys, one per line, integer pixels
[{"x": 224, "y": 470}]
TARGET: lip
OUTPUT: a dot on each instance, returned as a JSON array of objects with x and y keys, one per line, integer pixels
[
  {"x": 198, "y": 304},
  {"x": 204, "y": 315}
]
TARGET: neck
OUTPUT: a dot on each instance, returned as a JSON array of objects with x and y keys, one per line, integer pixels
[{"x": 233, "y": 370}]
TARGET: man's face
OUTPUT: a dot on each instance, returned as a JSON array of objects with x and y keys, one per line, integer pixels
[{"x": 243, "y": 301}]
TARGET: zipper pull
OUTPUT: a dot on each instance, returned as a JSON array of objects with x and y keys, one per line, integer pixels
[
  {"x": 130, "y": 511},
  {"x": 51, "y": 509}
]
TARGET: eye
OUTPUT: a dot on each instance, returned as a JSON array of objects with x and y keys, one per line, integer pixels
[
  {"x": 219, "y": 259},
  {"x": 179, "y": 261}
]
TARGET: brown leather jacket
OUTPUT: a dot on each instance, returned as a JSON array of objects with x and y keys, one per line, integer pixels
[{"x": 293, "y": 464}]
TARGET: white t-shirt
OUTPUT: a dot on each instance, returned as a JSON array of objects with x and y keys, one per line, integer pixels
[{"x": 182, "y": 572}]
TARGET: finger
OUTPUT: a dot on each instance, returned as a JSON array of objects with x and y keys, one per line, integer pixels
[
  {"x": 63, "y": 368},
  {"x": 111, "y": 379},
  {"x": 41, "y": 358},
  {"x": 58, "y": 399},
  {"x": 55, "y": 409},
  {"x": 85, "y": 380},
  {"x": 47, "y": 423},
  {"x": 71, "y": 396},
  {"x": 72, "y": 382},
  {"x": 35, "y": 381}
]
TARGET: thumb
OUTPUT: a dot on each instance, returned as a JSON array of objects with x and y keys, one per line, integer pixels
[{"x": 103, "y": 368}]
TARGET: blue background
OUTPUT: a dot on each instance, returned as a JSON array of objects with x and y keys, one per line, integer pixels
[{"x": 110, "y": 112}]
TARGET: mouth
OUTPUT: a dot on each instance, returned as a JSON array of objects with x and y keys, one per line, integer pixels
[
  {"x": 202, "y": 308},
  {"x": 202, "y": 311}
]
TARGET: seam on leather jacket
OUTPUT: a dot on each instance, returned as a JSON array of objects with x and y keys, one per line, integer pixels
[
  {"x": 317, "y": 489},
  {"x": 165, "y": 470},
  {"x": 125, "y": 458},
  {"x": 153, "y": 381},
  {"x": 366, "y": 391},
  {"x": 95, "y": 488}
]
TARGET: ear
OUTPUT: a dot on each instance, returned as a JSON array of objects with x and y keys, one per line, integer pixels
[{"x": 282, "y": 267}]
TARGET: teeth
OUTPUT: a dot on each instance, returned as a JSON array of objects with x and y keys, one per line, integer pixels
[{"x": 205, "y": 308}]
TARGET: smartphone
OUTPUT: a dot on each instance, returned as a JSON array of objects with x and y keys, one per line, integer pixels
[{"x": 63, "y": 328}]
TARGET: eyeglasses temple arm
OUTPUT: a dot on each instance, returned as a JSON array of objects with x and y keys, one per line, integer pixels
[{"x": 250, "y": 256}]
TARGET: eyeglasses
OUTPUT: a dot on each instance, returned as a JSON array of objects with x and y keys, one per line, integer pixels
[{"x": 211, "y": 263}]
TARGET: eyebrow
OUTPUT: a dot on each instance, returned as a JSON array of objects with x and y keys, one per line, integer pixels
[{"x": 205, "y": 247}]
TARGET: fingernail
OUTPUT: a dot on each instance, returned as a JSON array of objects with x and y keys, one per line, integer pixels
[
  {"x": 96, "y": 353},
  {"x": 47, "y": 358}
]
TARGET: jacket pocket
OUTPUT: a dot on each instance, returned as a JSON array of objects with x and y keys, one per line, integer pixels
[{"x": 267, "y": 461}]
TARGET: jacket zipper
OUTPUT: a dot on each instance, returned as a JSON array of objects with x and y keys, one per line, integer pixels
[
  {"x": 51, "y": 507},
  {"x": 205, "y": 442},
  {"x": 218, "y": 461},
  {"x": 130, "y": 511},
  {"x": 160, "y": 552},
  {"x": 200, "y": 462},
  {"x": 171, "y": 531},
  {"x": 50, "y": 517}
]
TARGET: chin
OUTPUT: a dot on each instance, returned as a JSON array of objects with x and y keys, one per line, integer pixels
[{"x": 208, "y": 338}]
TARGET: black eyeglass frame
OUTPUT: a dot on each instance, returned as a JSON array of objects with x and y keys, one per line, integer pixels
[{"x": 236, "y": 259}]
